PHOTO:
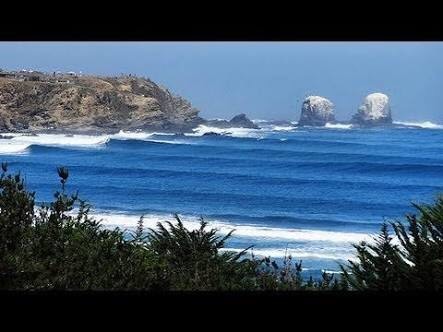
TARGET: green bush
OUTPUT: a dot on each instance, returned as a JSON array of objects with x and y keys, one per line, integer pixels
[
  {"x": 413, "y": 262},
  {"x": 193, "y": 261},
  {"x": 51, "y": 247}
]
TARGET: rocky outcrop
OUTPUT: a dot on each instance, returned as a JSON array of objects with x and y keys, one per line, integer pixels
[
  {"x": 316, "y": 111},
  {"x": 242, "y": 121},
  {"x": 374, "y": 111},
  {"x": 238, "y": 121},
  {"x": 92, "y": 103}
]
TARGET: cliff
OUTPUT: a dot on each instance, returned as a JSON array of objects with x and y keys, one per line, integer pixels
[{"x": 90, "y": 103}]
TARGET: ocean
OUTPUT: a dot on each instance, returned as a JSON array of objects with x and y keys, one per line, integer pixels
[{"x": 307, "y": 192}]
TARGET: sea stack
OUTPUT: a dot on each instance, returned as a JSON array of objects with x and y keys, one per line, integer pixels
[
  {"x": 316, "y": 111},
  {"x": 238, "y": 121},
  {"x": 374, "y": 111},
  {"x": 242, "y": 121}
]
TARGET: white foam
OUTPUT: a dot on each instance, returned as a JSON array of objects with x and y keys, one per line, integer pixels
[
  {"x": 137, "y": 135},
  {"x": 315, "y": 243},
  {"x": 256, "y": 121},
  {"x": 240, "y": 132},
  {"x": 56, "y": 139},
  {"x": 127, "y": 135},
  {"x": 243, "y": 230},
  {"x": 169, "y": 141},
  {"x": 233, "y": 132},
  {"x": 149, "y": 221},
  {"x": 146, "y": 136},
  {"x": 282, "y": 128},
  {"x": 424, "y": 124},
  {"x": 20, "y": 142},
  {"x": 8, "y": 147},
  {"x": 295, "y": 253},
  {"x": 338, "y": 126}
]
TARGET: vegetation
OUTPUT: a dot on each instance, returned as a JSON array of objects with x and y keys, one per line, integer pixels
[
  {"x": 60, "y": 246},
  {"x": 411, "y": 260}
]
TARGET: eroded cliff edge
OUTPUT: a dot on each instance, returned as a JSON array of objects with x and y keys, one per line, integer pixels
[{"x": 91, "y": 103}]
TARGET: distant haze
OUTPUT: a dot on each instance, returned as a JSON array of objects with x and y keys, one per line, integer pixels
[{"x": 264, "y": 80}]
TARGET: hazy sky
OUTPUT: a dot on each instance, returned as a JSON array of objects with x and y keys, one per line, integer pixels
[{"x": 264, "y": 80}]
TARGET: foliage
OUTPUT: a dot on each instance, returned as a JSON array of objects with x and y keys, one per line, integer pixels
[
  {"x": 411, "y": 260},
  {"x": 287, "y": 277},
  {"x": 52, "y": 247},
  {"x": 193, "y": 260}
]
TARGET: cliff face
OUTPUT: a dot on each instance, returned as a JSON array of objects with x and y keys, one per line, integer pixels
[{"x": 92, "y": 103}]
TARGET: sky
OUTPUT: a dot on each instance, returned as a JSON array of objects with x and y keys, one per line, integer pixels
[{"x": 265, "y": 80}]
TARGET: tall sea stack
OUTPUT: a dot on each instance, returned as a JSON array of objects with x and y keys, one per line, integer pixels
[
  {"x": 316, "y": 111},
  {"x": 374, "y": 111}
]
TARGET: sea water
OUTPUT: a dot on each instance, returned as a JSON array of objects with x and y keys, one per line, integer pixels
[{"x": 307, "y": 192}]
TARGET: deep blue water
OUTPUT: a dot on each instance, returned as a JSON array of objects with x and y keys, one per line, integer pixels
[{"x": 312, "y": 191}]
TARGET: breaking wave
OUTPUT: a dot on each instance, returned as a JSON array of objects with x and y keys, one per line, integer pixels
[
  {"x": 244, "y": 230},
  {"x": 424, "y": 124},
  {"x": 137, "y": 135},
  {"x": 278, "y": 128},
  {"x": 233, "y": 132},
  {"x": 338, "y": 126},
  {"x": 296, "y": 253},
  {"x": 13, "y": 147},
  {"x": 315, "y": 243},
  {"x": 154, "y": 137},
  {"x": 19, "y": 143}
]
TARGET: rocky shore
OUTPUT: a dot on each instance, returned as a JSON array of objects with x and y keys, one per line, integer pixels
[{"x": 91, "y": 104}]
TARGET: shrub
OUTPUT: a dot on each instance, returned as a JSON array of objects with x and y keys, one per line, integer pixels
[
  {"x": 52, "y": 247},
  {"x": 193, "y": 261},
  {"x": 415, "y": 261}
]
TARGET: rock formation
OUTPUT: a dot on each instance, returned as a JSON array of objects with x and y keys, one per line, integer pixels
[
  {"x": 238, "y": 121},
  {"x": 242, "y": 121},
  {"x": 374, "y": 111},
  {"x": 92, "y": 103},
  {"x": 316, "y": 111}
]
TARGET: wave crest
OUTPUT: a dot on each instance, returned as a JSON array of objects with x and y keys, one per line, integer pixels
[
  {"x": 243, "y": 229},
  {"x": 338, "y": 126},
  {"x": 424, "y": 124},
  {"x": 137, "y": 135},
  {"x": 233, "y": 132},
  {"x": 20, "y": 142},
  {"x": 301, "y": 243},
  {"x": 13, "y": 147}
]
